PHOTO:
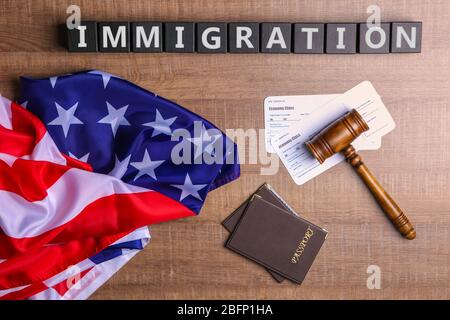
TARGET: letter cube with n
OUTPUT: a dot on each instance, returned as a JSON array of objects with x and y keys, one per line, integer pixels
[
  {"x": 114, "y": 36},
  {"x": 406, "y": 37},
  {"x": 83, "y": 38}
]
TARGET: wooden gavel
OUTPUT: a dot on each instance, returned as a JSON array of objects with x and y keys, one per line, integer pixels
[{"x": 337, "y": 137}]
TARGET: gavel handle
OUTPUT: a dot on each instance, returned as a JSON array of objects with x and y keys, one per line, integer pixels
[{"x": 390, "y": 208}]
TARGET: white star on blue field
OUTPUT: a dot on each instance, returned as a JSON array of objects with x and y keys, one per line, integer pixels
[
  {"x": 65, "y": 118},
  {"x": 126, "y": 132}
]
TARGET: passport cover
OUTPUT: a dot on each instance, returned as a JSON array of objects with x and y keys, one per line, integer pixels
[
  {"x": 267, "y": 193},
  {"x": 276, "y": 239}
]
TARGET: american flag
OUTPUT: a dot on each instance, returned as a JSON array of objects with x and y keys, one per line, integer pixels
[{"x": 86, "y": 163}]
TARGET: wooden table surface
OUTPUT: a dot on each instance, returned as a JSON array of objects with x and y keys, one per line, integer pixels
[{"x": 186, "y": 258}]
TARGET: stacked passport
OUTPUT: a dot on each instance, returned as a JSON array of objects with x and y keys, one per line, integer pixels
[{"x": 266, "y": 230}]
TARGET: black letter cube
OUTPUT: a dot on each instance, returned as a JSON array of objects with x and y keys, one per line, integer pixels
[
  {"x": 114, "y": 36},
  {"x": 309, "y": 37},
  {"x": 243, "y": 37},
  {"x": 211, "y": 37},
  {"x": 403, "y": 39},
  {"x": 179, "y": 37},
  {"x": 83, "y": 38},
  {"x": 374, "y": 38},
  {"x": 341, "y": 38},
  {"x": 276, "y": 37},
  {"x": 146, "y": 36}
]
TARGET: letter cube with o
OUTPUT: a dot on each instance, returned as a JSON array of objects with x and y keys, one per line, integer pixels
[{"x": 374, "y": 38}]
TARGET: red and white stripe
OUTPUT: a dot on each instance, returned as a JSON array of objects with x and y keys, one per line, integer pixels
[{"x": 54, "y": 211}]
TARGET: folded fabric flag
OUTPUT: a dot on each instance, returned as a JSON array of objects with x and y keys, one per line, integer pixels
[
  {"x": 126, "y": 131},
  {"x": 80, "y": 280},
  {"x": 66, "y": 229}
]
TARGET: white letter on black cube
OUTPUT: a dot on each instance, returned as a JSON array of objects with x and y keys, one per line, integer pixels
[
  {"x": 374, "y": 38},
  {"x": 276, "y": 37},
  {"x": 83, "y": 38},
  {"x": 114, "y": 36},
  {"x": 179, "y": 37},
  {"x": 406, "y": 37},
  {"x": 341, "y": 38},
  {"x": 146, "y": 36},
  {"x": 211, "y": 37},
  {"x": 309, "y": 37},
  {"x": 243, "y": 37}
]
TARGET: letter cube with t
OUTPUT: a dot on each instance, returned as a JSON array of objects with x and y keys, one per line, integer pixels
[{"x": 309, "y": 37}]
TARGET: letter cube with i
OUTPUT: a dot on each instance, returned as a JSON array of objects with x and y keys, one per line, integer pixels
[
  {"x": 83, "y": 38},
  {"x": 341, "y": 38},
  {"x": 114, "y": 36},
  {"x": 179, "y": 37},
  {"x": 243, "y": 37}
]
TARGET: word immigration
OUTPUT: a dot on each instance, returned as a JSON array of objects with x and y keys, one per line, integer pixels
[{"x": 251, "y": 37}]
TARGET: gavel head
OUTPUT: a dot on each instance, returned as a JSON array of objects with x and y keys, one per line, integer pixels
[{"x": 337, "y": 136}]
